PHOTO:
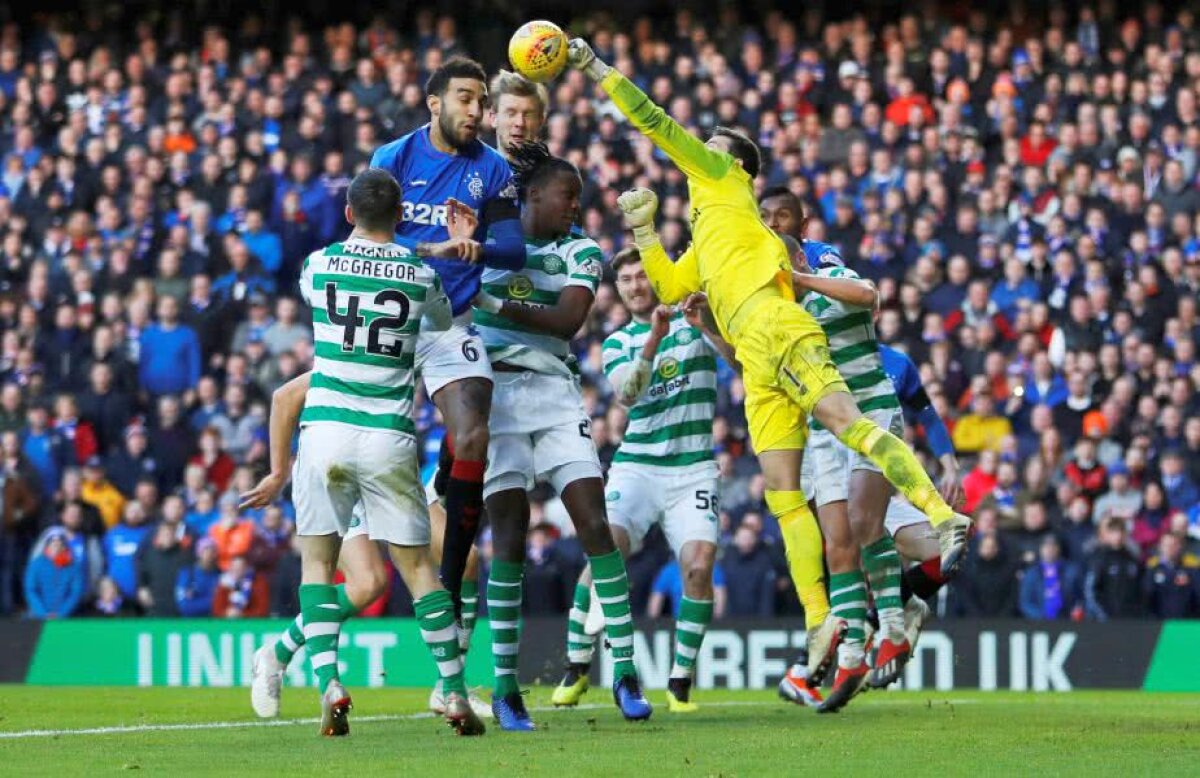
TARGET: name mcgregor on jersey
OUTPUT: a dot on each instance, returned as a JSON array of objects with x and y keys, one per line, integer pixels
[{"x": 389, "y": 271}]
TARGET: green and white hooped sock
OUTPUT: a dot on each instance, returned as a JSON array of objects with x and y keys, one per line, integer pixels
[
  {"x": 435, "y": 615},
  {"x": 504, "y": 612},
  {"x": 322, "y": 625},
  {"x": 612, "y": 588},
  {"x": 690, "y": 626},
  {"x": 581, "y": 647}
]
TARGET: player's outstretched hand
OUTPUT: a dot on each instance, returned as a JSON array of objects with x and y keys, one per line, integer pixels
[
  {"x": 461, "y": 220},
  {"x": 265, "y": 492},
  {"x": 466, "y": 249},
  {"x": 660, "y": 322},
  {"x": 693, "y": 309},
  {"x": 639, "y": 206},
  {"x": 951, "y": 489}
]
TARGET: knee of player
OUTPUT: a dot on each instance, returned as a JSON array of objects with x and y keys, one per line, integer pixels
[
  {"x": 697, "y": 573},
  {"x": 471, "y": 442}
]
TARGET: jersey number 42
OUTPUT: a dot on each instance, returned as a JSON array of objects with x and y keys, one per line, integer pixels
[{"x": 351, "y": 320}]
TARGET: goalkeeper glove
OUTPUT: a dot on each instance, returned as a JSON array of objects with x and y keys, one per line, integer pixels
[
  {"x": 581, "y": 57},
  {"x": 639, "y": 206}
]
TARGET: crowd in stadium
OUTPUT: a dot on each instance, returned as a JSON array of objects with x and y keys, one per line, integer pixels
[{"x": 1024, "y": 191}]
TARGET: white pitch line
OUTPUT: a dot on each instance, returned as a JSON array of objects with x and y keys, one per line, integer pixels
[{"x": 217, "y": 725}]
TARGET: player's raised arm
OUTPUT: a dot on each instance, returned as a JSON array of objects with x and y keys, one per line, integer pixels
[
  {"x": 672, "y": 281},
  {"x": 848, "y": 289},
  {"x": 502, "y": 240},
  {"x": 630, "y": 377},
  {"x": 685, "y": 149}
]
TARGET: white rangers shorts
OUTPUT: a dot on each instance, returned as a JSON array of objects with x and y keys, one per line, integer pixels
[
  {"x": 446, "y": 356},
  {"x": 538, "y": 430},
  {"x": 900, "y": 514},
  {"x": 340, "y": 466},
  {"x": 825, "y": 475},
  {"x": 682, "y": 499}
]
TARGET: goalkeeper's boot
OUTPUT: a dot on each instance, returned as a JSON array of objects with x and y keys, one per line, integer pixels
[
  {"x": 572, "y": 687},
  {"x": 952, "y": 541},
  {"x": 823, "y": 642},
  {"x": 335, "y": 707},
  {"x": 890, "y": 658},
  {"x": 794, "y": 687},
  {"x": 510, "y": 713},
  {"x": 461, "y": 715},
  {"x": 266, "y": 682},
  {"x": 679, "y": 696},
  {"x": 847, "y": 683},
  {"x": 627, "y": 694},
  {"x": 916, "y": 614}
]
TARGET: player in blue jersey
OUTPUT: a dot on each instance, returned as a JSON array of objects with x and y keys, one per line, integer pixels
[
  {"x": 438, "y": 163},
  {"x": 781, "y": 210},
  {"x": 915, "y": 539}
]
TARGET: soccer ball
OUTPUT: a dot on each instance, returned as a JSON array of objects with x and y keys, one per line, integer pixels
[{"x": 538, "y": 50}]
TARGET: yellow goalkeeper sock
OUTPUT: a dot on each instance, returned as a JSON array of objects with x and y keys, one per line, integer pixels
[
  {"x": 805, "y": 552},
  {"x": 899, "y": 466}
]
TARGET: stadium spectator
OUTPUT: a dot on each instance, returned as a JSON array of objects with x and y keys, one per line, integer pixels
[
  {"x": 110, "y": 602},
  {"x": 1112, "y": 585},
  {"x": 54, "y": 580},
  {"x": 121, "y": 544},
  {"x": 988, "y": 586},
  {"x": 1171, "y": 584},
  {"x": 749, "y": 574},
  {"x": 133, "y": 461},
  {"x": 197, "y": 582},
  {"x": 97, "y": 491},
  {"x": 158, "y": 562},
  {"x": 169, "y": 361},
  {"x": 232, "y": 534},
  {"x": 666, "y": 593},
  {"x": 240, "y": 592},
  {"x": 982, "y": 428},
  {"x": 1050, "y": 586}
]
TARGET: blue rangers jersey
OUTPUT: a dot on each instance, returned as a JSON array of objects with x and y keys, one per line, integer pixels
[
  {"x": 478, "y": 176},
  {"x": 820, "y": 254}
]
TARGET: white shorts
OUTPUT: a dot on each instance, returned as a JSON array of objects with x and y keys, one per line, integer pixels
[
  {"x": 825, "y": 474},
  {"x": 446, "y": 356},
  {"x": 900, "y": 514},
  {"x": 538, "y": 430},
  {"x": 682, "y": 499},
  {"x": 339, "y": 467},
  {"x": 358, "y": 519}
]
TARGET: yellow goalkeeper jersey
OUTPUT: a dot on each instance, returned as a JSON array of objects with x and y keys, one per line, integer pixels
[{"x": 733, "y": 254}]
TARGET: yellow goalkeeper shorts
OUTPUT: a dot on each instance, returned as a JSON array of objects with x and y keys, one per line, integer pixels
[{"x": 787, "y": 370}]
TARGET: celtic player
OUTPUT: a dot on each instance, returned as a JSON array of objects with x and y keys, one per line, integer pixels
[
  {"x": 539, "y": 428},
  {"x": 664, "y": 371},
  {"x": 843, "y": 304},
  {"x": 369, "y": 298}
]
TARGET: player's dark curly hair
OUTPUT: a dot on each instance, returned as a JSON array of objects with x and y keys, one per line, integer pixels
[{"x": 531, "y": 162}]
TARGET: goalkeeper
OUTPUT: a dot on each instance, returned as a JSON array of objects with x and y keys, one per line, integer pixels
[{"x": 789, "y": 373}]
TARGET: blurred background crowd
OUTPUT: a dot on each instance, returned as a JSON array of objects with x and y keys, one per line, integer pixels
[{"x": 1022, "y": 181}]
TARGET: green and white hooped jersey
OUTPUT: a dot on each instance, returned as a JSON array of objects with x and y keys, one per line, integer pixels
[
  {"x": 853, "y": 346},
  {"x": 367, "y": 301},
  {"x": 550, "y": 267},
  {"x": 671, "y": 425}
]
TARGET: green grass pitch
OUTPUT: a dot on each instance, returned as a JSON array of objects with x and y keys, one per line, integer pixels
[{"x": 89, "y": 731}]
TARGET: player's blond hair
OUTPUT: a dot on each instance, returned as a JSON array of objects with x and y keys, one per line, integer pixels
[{"x": 507, "y": 82}]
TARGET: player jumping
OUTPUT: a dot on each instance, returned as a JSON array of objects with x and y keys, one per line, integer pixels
[
  {"x": 442, "y": 161},
  {"x": 539, "y": 428},
  {"x": 744, "y": 269},
  {"x": 369, "y": 298},
  {"x": 664, "y": 371}
]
